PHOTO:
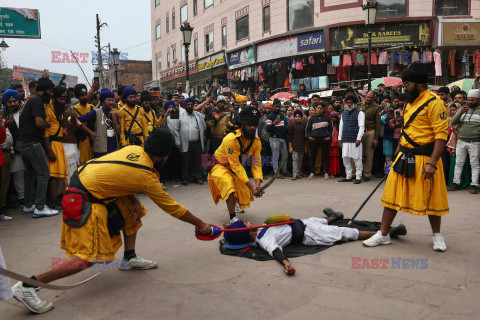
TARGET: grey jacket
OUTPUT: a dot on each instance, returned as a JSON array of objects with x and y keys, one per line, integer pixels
[
  {"x": 181, "y": 129},
  {"x": 469, "y": 129}
]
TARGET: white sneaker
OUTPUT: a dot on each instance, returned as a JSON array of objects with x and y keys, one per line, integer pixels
[
  {"x": 137, "y": 263},
  {"x": 439, "y": 243},
  {"x": 377, "y": 239},
  {"x": 46, "y": 212},
  {"x": 237, "y": 209},
  {"x": 234, "y": 219},
  {"x": 28, "y": 210},
  {"x": 5, "y": 218},
  {"x": 327, "y": 177},
  {"x": 30, "y": 298},
  {"x": 311, "y": 176}
]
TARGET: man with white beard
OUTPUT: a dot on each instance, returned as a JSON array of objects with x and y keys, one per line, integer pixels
[{"x": 352, "y": 127}]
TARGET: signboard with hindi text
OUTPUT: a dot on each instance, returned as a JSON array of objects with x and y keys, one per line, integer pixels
[
  {"x": 461, "y": 33},
  {"x": 383, "y": 35},
  {"x": 19, "y": 23}
]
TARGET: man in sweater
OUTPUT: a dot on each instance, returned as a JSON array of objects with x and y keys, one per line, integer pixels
[
  {"x": 319, "y": 131},
  {"x": 352, "y": 125},
  {"x": 277, "y": 125},
  {"x": 468, "y": 140},
  {"x": 296, "y": 142}
]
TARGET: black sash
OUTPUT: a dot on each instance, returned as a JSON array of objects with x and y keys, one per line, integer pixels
[
  {"x": 55, "y": 137},
  {"x": 134, "y": 119},
  {"x": 243, "y": 152},
  {"x": 405, "y": 165},
  {"x": 298, "y": 231}
]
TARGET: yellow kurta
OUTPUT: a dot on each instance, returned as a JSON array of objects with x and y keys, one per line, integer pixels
[
  {"x": 139, "y": 125},
  {"x": 416, "y": 195},
  {"x": 58, "y": 169},
  {"x": 85, "y": 146},
  {"x": 229, "y": 176},
  {"x": 152, "y": 120},
  {"x": 91, "y": 242}
]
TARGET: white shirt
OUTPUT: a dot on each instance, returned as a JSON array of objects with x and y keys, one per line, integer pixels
[
  {"x": 361, "y": 127},
  {"x": 193, "y": 129}
]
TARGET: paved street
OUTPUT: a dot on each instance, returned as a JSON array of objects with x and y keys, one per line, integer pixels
[{"x": 194, "y": 281}]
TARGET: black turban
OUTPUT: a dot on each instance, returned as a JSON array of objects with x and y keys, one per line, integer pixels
[
  {"x": 45, "y": 84},
  {"x": 249, "y": 116},
  {"x": 145, "y": 96},
  {"x": 160, "y": 142},
  {"x": 80, "y": 90},
  {"x": 59, "y": 91},
  {"x": 416, "y": 73}
]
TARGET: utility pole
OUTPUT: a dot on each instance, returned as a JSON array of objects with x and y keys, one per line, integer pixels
[{"x": 99, "y": 52}]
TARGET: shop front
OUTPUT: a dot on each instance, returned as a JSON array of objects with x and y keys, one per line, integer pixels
[
  {"x": 241, "y": 69},
  {"x": 170, "y": 77},
  {"x": 394, "y": 47},
  {"x": 212, "y": 70}
]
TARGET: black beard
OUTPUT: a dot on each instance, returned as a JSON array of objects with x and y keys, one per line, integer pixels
[
  {"x": 411, "y": 97},
  {"x": 46, "y": 97},
  {"x": 131, "y": 104},
  {"x": 59, "y": 107},
  {"x": 83, "y": 102},
  {"x": 247, "y": 134},
  {"x": 189, "y": 110},
  {"x": 276, "y": 111}
]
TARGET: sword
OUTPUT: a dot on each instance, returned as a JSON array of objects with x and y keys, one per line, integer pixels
[
  {"x": 19, "y": 277},
  {"x": 269, "y": 183}
]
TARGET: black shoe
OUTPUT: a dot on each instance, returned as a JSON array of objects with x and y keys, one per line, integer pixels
[
  {"x": 337, "y": 216},
  {"x": 379, "y": 175},
  {"x": 366, "y": 179},
  {"x": 473, "y": 190},
  {"x": 400, "y": 230},
  {"x": 204, "y": 179},
  {"x": 454, "y": 187},
  {"x": 328, "y": 211},
  {"x": 358, "y": 181},
  {"x": 185, "y": 182},
  {"x": 200, "y": 182},
  {"x": 345, "y": 180}
]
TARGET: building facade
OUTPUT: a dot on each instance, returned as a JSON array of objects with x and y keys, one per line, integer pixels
[
  {"x": 134, "y": 73},
  {"x": 320, "y": 43}
]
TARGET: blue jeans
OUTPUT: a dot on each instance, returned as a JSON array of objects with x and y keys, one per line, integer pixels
[
  {"x": 36, "y": 166},
  {"x": 279, "y": 146}
]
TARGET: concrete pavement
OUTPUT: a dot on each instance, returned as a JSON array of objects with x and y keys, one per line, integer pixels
[{"x": 194, "y": 281}]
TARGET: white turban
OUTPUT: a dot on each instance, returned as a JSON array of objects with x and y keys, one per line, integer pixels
[{"x": 474, "y": 93}]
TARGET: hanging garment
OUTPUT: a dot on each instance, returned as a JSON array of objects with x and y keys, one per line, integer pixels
[
  {"x": 396, "y": 57},
  {"x": 347, "y": 60},
  {"x": 383, "y": 59},
  {"x": 375, "y": 58},
  {"x": 360, "y": 59},
  {"x": 406, "y": 58},
  {"x": 438, "y": 64},
  {"x": 354, "y": 58},
  {"x": 415, "y": 57},
  {"x": 331, "y": 69},
  {"x": 429, "y": 56},
  {"x": 476, "y": 61},
  {"x": 451, "y": 62},
  {"x": 336, "y": 61},
  {"x": 466, "y": 65}
]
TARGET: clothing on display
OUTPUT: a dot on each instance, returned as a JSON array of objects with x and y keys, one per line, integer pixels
[
  {"x": 476, "y": 61},
  {"x": 415, "y": 57},
  {"x": 336, "y": 61},
  {"x": 383, "y": 59},
  {"x": 347, "y": 60},
  {"x": 451, "y": 62},
  {"x": 437, "y": 57},
  {"x": 466, "y": 66}
]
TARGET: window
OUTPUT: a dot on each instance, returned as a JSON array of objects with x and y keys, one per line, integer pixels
[
  {"x": 183, "y": 14},
  {"x": 157, "y": 2},
  {"x": 388, "y": 9},
  {"x": 168, "y": 60},
  {"x": 195, "y": 10},
  {"x": 195, "y": 47},
  {"x": 173, "y": 20},
  {"x": 159, "y": 63},
  {"x": 451, "y": 7},
  {"x": 224, "y": 36},
  {"x": 242, "y": 28},
  {"x": 168, "y": 25},
  {"x": 174, "y": 55},
  {"x": 207, "y": 3},
  {"x": 158, "y": 32},
  {"x": 300, "y": 14},
  {"x": 266, "y": 18},
  {"x": 209, "y": 42}
]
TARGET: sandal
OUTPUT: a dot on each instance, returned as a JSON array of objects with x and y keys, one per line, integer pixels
[{"x": 294, "y": 178}]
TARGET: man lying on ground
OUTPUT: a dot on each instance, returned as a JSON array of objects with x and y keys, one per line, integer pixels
[{"x": 312, "y": 231}]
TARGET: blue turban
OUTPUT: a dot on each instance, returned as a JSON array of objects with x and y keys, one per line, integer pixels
[
  {"x": 128, "y": 91},
  {"x": 237, "y": 239},
  {"x": 188, "y": 100},
  {"x": 10, "y": 93},
  {"x": 105, "y": 94},
  {"x": 168, "y": 104}
]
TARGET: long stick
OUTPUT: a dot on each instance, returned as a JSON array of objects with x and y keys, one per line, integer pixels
[
  {"x": 76, "y": 60},
  {"x": 366, "y": 200}
]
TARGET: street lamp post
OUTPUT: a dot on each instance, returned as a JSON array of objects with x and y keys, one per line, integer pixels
[
  {"x": 370, "y": 11},
  {"x": 187, "y": 39},
  {"x": 116, "y": 63}
]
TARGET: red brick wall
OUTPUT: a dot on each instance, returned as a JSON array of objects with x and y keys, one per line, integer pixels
[{"x": 135, "y": 73}]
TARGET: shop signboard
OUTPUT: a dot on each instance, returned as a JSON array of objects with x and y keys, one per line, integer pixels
[
  {"x": 241, "y": 58},
  {"x": 311, "y": 42},
  {"x": 278, "y": 48},
  {"x": 383, "y": 35},
  {"x": 215, "y": 60},
  {"x": 461, "y": 33},
  {"x": 27, "y": 75},
  {"x": 19, "y": 23},
  {"x": 178, "y": 72}
]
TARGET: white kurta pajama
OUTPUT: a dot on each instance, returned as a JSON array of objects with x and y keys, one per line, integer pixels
[
  {"x": 350, "y": 152},
  {"x": 317, "y": 232}
]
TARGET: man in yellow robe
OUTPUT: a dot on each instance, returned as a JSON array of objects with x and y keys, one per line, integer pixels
[
  {"x": 121, "y": 174},
  {"x": 228, "y": 180},
  {"x": 148, "y": 113},
  {"x": 82, "y": 107},
  {"x": 132, "y": 121},
  {"x": 416, "y": 183}
]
